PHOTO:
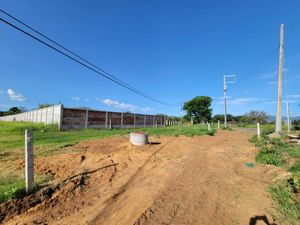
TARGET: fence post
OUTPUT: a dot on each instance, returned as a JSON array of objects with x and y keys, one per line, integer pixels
[
  {"x": 208, "y": 126},
  {"x": 218, "y": 124},
  {"x": 110, "y": 123},
  {"x": 258, "y": 130},
  {"x": 60, "y": 117},
  {"x": 106, "y": 115},
  {"x": 86, "y": 119},
  {"x": 122, "y": 117},
  {"x": 145, "y": 120},
  {"x": 156, "y": 123},
  {"x": 134, "y": 118},
  {"x": 29, "y": 173}
]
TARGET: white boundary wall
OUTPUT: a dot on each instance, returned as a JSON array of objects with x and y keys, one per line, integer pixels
[{"x": 49, "y": 115}]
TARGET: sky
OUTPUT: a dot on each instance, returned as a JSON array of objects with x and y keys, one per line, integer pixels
[{"x": 171, "y": 50}]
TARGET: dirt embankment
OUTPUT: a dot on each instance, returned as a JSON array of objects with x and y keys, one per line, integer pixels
[{"x": 181, "y": 180}]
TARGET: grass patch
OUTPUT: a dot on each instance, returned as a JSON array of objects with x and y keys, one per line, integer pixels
[
  {"x": 289, "y": 208},
  {"x": 286, "y": 193},
  {"x": 49, "y": 141}
]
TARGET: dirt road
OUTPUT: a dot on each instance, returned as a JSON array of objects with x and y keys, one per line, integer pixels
[{"x": 201, "y": 180}]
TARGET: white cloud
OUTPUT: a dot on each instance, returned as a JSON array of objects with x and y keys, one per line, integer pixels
[
  {"x": 294, "y": 96},
  {"x": 238, "y": 101},
  {"x": 125, "y": 106},
  {"x": 265, "y": 76},
  {"x": 87, "y": 100},
  {"x": 15, "y": 96},
  {"x": 76, "y": 98},
  {"x": 98, "y": 100}
]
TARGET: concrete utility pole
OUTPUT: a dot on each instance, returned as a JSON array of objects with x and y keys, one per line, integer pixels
[
  {"x": 279, "y": 87},
  {"x": 225, "y": 103},
  {"x": 227, "y": 79}
]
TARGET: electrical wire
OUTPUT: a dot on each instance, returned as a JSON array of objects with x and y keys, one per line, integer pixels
[{"x": 89, "y": 66}]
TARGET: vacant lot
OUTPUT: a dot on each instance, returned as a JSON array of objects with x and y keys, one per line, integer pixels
[{"x": 175, "y": 180}]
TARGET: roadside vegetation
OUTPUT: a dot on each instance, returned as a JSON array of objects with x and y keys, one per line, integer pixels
[
  {"x": 285, "y": 193},
  {"x": 49, "y": 141}
]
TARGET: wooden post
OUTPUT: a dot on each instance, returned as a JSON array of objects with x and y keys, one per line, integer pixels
[
  {"x": 258, "y": 130},
  {"x": 29, "y": 173}
]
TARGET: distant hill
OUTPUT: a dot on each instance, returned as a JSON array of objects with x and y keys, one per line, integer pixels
[{"x": 273, "y": 118}]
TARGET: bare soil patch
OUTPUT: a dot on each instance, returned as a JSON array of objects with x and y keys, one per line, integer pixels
[{"x": 182, "y": 180}]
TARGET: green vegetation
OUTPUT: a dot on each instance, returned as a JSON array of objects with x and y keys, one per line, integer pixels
[
  {"x": 198, "y": 108},
  {"x": 49, "y": 141},
  {"x": 285, "y": 193}
]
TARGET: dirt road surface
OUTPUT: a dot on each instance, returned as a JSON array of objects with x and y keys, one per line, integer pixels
[{"x": 199, "y": 180}]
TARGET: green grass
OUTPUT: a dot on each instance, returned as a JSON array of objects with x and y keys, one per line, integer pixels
[
  {"x": 289, "y": 207},
  {"x": 49, "y": 141},
  {"x": 285, "y": 193}
]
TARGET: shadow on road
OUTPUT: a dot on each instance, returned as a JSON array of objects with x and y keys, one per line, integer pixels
[{"x": 253, "y": 220}]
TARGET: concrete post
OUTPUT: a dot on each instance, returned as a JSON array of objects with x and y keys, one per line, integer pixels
[
  {"x": 86, "y": 119},
  {"x": 156, "y": 123},
  {"x": 134, "y": 120},
  {"x": 110, "y": 123},
  {"x": 106, "y": 119},
  {"x": 258, "y": 130},
  {"x": 208, "y": 126},
  {"x": 29, "y": 173},
  {"x": 145, "y": 120},
  {"x": 122, "y": 118},
  {"x": 218, "y": 124}
]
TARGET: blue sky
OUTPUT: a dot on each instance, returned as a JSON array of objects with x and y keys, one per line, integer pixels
[{"x": 171, "y": 50}]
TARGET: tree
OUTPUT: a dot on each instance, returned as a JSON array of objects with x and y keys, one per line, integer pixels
[
  {"x": 220, "y": 117},
  {"x": 44, "y": 105},
  {"x": 14, "y": 110},
  {"x": 198, "y": 108},
  {"x": 255, "y": 117}
]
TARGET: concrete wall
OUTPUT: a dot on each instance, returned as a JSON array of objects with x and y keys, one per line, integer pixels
[
  {"x": 79, "y": 118},
  {"x": 68, "y": 118},
  {"x": 49, "y": 115}
]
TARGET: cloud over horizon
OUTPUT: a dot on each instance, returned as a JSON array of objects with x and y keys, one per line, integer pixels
[
  {"x": 15, "y": 96},
  {"x": 125, "y": 106}
]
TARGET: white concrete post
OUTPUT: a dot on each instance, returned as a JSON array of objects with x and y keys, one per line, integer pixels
[
  {"x": 218, "y": 124},
  {"x": 110, "y": 123},
  {"x": 145, "y": 120},
  {"x": 122, "y": 118},
  {"x": 153, "y": 120},
  {"x": 29, "y": 173},
  {"x": 134, "y": 120},
  {"x": 208, "y": 126},
  {"x": 156, "y": 123},
  {"x": 106, "y": 119},
  {"x": 86, "y": 119},
  {"x": 258, "y": 130}
]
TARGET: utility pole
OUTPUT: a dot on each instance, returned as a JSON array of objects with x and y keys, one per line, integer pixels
[
  {"x": 227, "y": 80},
  {"x": 288, "y": 117},
  {"x": 279, "y": 87},
  {"x": 225, "y": 103}
]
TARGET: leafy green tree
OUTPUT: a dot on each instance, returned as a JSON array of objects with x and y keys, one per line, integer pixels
[
  {"x": 255, "y": 117},
  {"x": 198, "y": 108},
  {"x": 44, "y": 105},
  {"x": 220, "y": 117},
  {"x": 14, "y": 110}
]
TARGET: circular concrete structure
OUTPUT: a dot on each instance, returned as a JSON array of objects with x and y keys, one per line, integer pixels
[{"x": 139, "y": 138}]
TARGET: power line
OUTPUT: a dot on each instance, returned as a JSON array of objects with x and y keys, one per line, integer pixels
[
  {"x": 262, "y": 60},
  {"x": 64, "y": 48},
  {"x": 90, "y": 66}
]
